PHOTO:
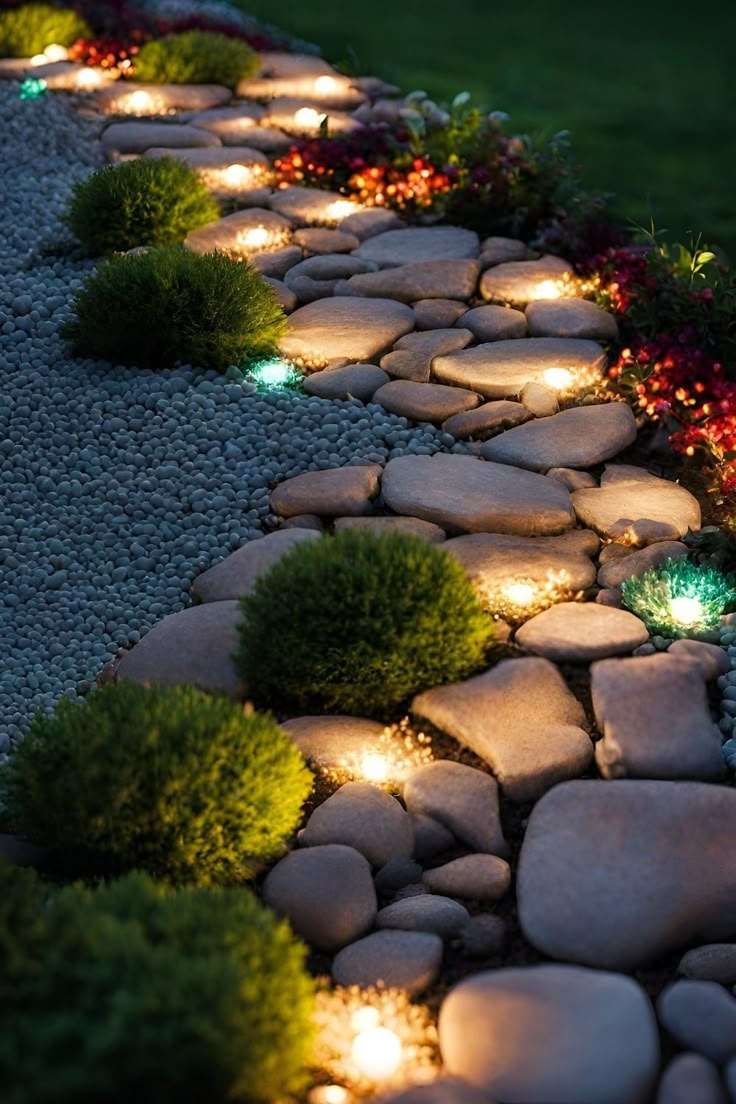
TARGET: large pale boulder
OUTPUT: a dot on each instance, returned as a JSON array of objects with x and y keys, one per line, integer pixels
[{"x": 416, "y": 244}]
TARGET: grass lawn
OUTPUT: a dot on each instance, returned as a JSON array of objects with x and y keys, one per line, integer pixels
[{"x": 646, "y": 87}]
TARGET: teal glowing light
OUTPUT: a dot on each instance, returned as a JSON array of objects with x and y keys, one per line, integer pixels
[
  {"x": 32, "y": 88},
  {"x": 274, "y": 375},
  {"x": 680, "y": 597}
]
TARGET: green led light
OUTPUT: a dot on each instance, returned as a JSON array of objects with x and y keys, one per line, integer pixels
[
  {"x": 274, "y": 375},
  {"x": 32, "y": 88},
  {"x": 680, "y": 597}
]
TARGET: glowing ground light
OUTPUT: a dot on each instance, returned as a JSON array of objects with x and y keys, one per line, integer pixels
[
  {"x": 340, "y": 209},
  {"x": 325, "y": 85},
  {"x": 377, "y": 1052},
  {"x": 547, "y": 289},
  {"x": 32, "y": 88},
  {"x": 238, "y": 176},
  {"x": 56, "y": 52},
  {"x": 330, "y": 1094},
  {"x": 374, "y": 768},
  {"x": 521, "y": 594},
  {"x": 308, "y": 118},
  {"x": 273, "y": 375},
  {"x": 558, "y": 378},
  {"x": 256, "y": 238},
  {"x": 686, "y": 611},
  {"x": 88, "y": 80}
]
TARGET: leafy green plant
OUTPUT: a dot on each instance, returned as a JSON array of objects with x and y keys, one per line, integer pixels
[
  {"x": 196, "y": 57},
  {"x": 167, "y": 305},
  {"x": 29, "y": 29},
  {"x": 359, "y": 623},
  {"x": 150, "y": 201},
  {"x": 170, "y": 780},
  {"x": 133, "y": 991},
  {"x": 679, "y": 597}
]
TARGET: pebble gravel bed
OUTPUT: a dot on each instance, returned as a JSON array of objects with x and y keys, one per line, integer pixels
[{"x": 118, "y": 486}]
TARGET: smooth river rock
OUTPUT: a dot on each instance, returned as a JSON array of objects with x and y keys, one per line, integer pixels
[
  {"x": 353, "y": 381},
  {"x": 237, "y": 574},
  {"x": 618, "y": 874},
  {"x": 424, "y": 402},
  {"x": 332, "y": 492},
  {"x": 486, "y": 420},
  {"x": 501, "y": 369},
  {"x": 335, "y": 740},
  {"x": 434, "y": 243},
  {"x": 345, "y": 328},
  {"x": 579, "y": 632},
  {"x": 364, "y": 817},
  {"x": 690, "y": 1078},
  {"x": 494, "y": 323},
  {"x": 628, "y": 494},
  {"x": 399, "y": 959},
  {"x": 701, "y": 1015},
  {"x": 575, "y": 438},
  {"x": 570, "y": 318},
  {"x": 521, "y": 282},
  {"x": 422, "y": 280},
  {"x": 462, "y": 799}
]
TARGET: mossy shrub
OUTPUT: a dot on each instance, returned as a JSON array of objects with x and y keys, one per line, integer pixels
[
  {"x": 151, "y": 201},
  {"x": 359, "y": 623},
  {"x": 196, "y": 57},
  {"x": 29, "y": 29},
  {"x": 168, "y": 780},
  {"x": 166, "y": 305},
  {"x": 134, "y": 991}
]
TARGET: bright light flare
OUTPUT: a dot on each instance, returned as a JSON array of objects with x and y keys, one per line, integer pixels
[
  {"x": 55, "y": 52},
  {"x": 686, "y": 611},
  {"x": 548, "y": 289},
  {"x": 375, "y": 768},
  {"x": 560, "y": 379},
  {"x": 258, "y": 237},
  {"x": 521, "y": 594},
  {"x": 325, "y": 85},
  {"x": 238, "y": 176},
  {"x": 88, "y": 80},
  {"x": 377, "y": 1053},
  {"x": 307, "y": 118},
  {"x": 340, "y": 209},
  {"x": 139, "y": 102},
  {"x": 39, "y": 59}
]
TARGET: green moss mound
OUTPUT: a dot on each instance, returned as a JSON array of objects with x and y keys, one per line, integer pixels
[
  {"x": 358, "y": 623},
  {"x": 196, "y": 57},
  {"x": 133, "y": 991},
  {"x": 167, "y": 305},
  {"x": 29, "y": 29},
  {"x": 151, "y": 201},
  {"x": 168, "y": 780},
  {"x": 680, "y": 597}
]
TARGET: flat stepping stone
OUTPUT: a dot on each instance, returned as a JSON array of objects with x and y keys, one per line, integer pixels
[
  {"x": 249, "y": 233},
  {"x": 136, "y": 98},
  {"x": 580, "y": 632},
  {"x": 62, "y": 76},
  {"x": 493, "y": 323},
  {"x": 350, "y": 329},
  {"x": 365, "y": 817},
  {"x": 461, "y": 799},
  {"x": 331, "y": 493},
  {"x": 235, "y": 172},
  {"x": 353, "y": 381},
  {"x": 577, "y": 438},
  {"x": 438, "y": 314},
  {"x": 232, "y": 125},
  {"x": 369, "y": 222},
  {"x": 413, "y": 527},
  {"x": 498, "y": 565},
  {"x": 334, "y": 741},
  {"x": 316, "y": 277},
  {"x": 237, "y": 574},
  {"x": 137, "y": 137},
  {"x": 420, "y": 244},
  {"x": 654, "y": 715},
  {"x": 299, "y": 117},
  {"x": 552, "y": 1033},
  {"x": 616, "y": 874},
  {"x": 628, "y": 495},
  {"x": 397, "y": 959},
  {"x": 427, "y": 913},
  {"x": 274, "y": 263},
  {"x": 419, "y": 280},
  {"x": 636, "y": 563},
  {"x": 326, "y": 893},
  {"x": 306, "y": 206},
  {"x": 194, "y": 646},
  {"x": 474, "y": 496},
  {"x": 520, "y": 282},
  {"x": 320, "y": 240},
  {"x": 325, "y": 91},
  {"x": 497, "y": 250},
  {"x": 471, "y": 877},
  {"x": 570, "y": 318},
  {"x": 424, "y": 402},
  {"x": 501, "y": 369},
  {"x": 521, "y": 719},
  {"x": 485, "y": 420},
  {"x": 411, "y": 357}
]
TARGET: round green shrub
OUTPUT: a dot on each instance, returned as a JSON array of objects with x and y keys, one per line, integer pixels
[
  {"x": 169, "y": 780},
  {"x": 133, "y": 991},
  {"x": 196, "y": 57},
  {"x": 151, "y": 201},
  {"x": 166, "y": 305},
  {"x": 29, "y": 29},
  {"x": 358, "y": 623}
]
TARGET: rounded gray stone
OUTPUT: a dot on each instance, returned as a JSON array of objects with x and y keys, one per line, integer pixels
[
  {"x": 426, "y": 912},
  {"x": 333, "y": 492},
  {"x": 691, "y": 1078},
  {"x": 577, "y": 438},
  {"x": 471, "y": 877},
  {"x": 701, "y": 1015},
  {"x": 580, "y": 632},
  {"x": 570, "y": 318},
  {"x": 400, "y": 247},
  {"x": 711, "y": 962},
  {"x": 237, "y": 575},
  {"x": 462, "y": 799},
  {"x": 365, "y": 817},
  {"x": 494, "y": 323},
  {"x": 398, "y": 959},
  {"x": 356, "y": 381}
]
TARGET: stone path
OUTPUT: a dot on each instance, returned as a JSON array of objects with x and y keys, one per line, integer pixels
[{"x": 488, "y": 341}]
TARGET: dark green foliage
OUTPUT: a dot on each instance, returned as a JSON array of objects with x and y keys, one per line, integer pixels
[
  {"x": 151, "y": 201},
  {"x": 359, "y": 623},
  {"x": 170, "y": 780},
  {"x": 167, "y": 305},
  {"x": 28, "y": 30},
  {"x": 196, "y": 57},
  {"x": 133, "y": 992}
]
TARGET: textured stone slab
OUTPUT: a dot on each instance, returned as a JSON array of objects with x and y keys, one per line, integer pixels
[
  {"x": 307, "y": 206},
  {"x": 552, "y": 1034},
  {"x": 234, "y": 172},
  {"x": 440, "y": 915},
  {"x": 234, "y": 126},
  {"x": 711, "y": 962},
  {"x": 628, "y": 494},
  {"x": 494, "y": 323},
  {"x": 579, "y": 632},
  {"x": 317, "y": 277},
  {"x": 471, "y": 877},
  {"x": 577, "y": 438},
  {"x": 436, "y": 243},
  {"x": 460, "y": 798},
  {"x": 520, "y": 282},
  {"x": 299, "y": 118},
  {"x": 194, "y": 646},
  {"x": 421, "y": 280},
  {"x": 424, "y": 402},
  {"x": 320, "y": 240},
  {"x": 520, "y": 718},
  {"x": 137, "y": 137},
  {"x": 411, "y": 356},
  {"x": 570, "y": 318},
  {"x": 497, "y": 250},
  {"x": 370, "y": 222},
  {"x": 617, "y": 874},
  {"x": 654, "y": 715},
  {"x": 485, "y": 420},
  {"x": 353, "y": 329},
  {"x": 463, "y": 493},
  {"x": 353, "y": 381},
  {"x": 324, "y": 91},
  {"x": 136, "y": 98},
  {"x": 237, "y": 574},
  {"x": 500, "y": 369},
  {"x": 398, "y": 959},
  {"x": 331, "y": 493},
  {"x": 425, "y": 530}
]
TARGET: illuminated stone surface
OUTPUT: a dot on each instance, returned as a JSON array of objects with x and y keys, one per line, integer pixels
[
  {"x": 518, "y": 282},
  {"x": 134, "y": 98},
  {"x": 365, "y": 817},
  {"x": 570, "y": 318},
  {"x": 500, "y": 369},
  {"x": 399, "y": 959},
  {"x": 577, "y": 438},
  {"x": 424, "y": 402},
  {"x": 346, "y": 328},
  {"x": 493, "y": 323},
  {"x": 419, "y": 280},
  {"x": 139, "y": 135},
  {"x": 411, "y": 356},
  {"x": 332, "y": 493},
  {"x": 492, "y": 561},
  {"x": 462, "y": 799},
  {"x": 417, "y": 244},
  {"x": 628, "y": 495},
  {"x": 579, "y": 632}
]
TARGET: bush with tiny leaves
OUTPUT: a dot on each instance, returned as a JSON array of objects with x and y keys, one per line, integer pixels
[
  {"x": 168, "y": 780},
  {"x": 359, "y": 623},
  {"x": 150, "y": 201},
  {"x": 168, "y": 305},
  {"x": 29, "y": 29},
  {"x": 196, "y": 57},
  {"x": 680, "y": 597},
  {"x": 134, "y": 991}
]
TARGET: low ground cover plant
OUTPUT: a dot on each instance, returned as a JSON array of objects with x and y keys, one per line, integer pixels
[
  {"x": 151, "y": 201},
  {"x": 29, "y": 29},
  {"x": 169, "y": 780},
  {"x": 135, "y": 991},
  {"x": 168, "y": 305},
  {"x": 359, "y": 623},
  {"x": 680, "y": 597},
  {"x": 196, "y": 57}
]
